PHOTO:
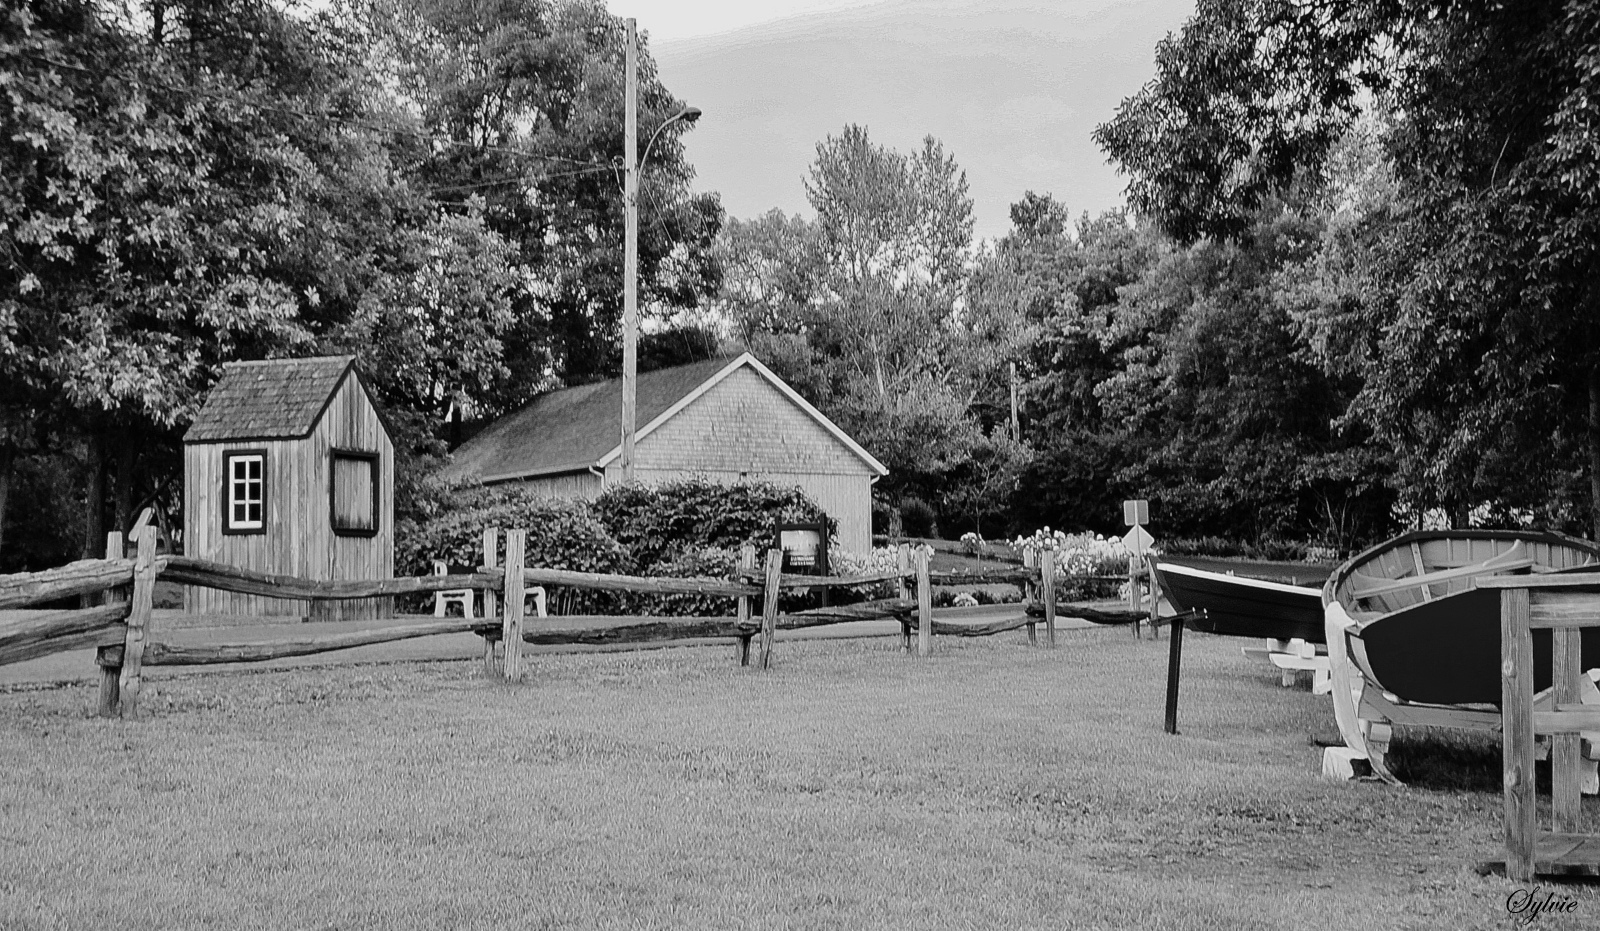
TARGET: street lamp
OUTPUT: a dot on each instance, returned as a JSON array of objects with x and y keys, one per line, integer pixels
[{"x": 630, "y": 254}]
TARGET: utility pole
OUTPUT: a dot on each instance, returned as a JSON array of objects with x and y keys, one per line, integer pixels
[
  {"x": 1016, "y": 429},
  {"x": 630, "y": 256}
]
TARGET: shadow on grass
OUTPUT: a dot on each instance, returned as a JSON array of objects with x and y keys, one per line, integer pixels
[{"x": 1454, "y": 761}]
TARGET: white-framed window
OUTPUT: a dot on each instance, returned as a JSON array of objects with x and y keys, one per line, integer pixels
[{"x": 245, "y": 494}]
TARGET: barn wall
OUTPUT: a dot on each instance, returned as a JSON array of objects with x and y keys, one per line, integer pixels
[
  {"x": 745, "y": 429},
  {"x": 299, "y": 539}
]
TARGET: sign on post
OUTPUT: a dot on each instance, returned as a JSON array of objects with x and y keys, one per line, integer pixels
[
  {"x": 1136, "y": 512},
  {"x": 1138, "y": 541}
]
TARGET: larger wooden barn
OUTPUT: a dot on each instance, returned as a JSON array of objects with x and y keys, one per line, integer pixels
[
  {"x": 727, "y": 420},
  {"x": 289, "y": 469}
]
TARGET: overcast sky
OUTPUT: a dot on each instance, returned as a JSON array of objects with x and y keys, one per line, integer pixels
[{"x": 666, "y": 20}]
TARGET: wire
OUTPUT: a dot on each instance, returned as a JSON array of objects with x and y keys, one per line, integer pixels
[{"x": 269, "y": 108}]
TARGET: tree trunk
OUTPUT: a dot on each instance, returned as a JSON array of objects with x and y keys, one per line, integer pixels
[
  {"x": 122, "y": 483},
  {"x": 94, "y": 526},
  {"x": 1594, "y": 450},
  {"x": 8, "y": 458}
]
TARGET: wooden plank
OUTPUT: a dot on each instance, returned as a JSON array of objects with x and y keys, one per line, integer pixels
[
  {"x": 1047, "y": 575},
  {"x": 1087, "y": 612},
  {"x": 924, "y": 604},
  {"x": 1516, "y": 652},
  {"x": 1565, "y": 760},
  {"x": 1030, "y": 562},
  {"x": 511, "y": 631},
  {"x": 903, "y": 565},
  {"x": 1566, "y": 719},
  {"x": 1564, "y": 609},
  {"x": 747, "y": 565},
  {"x": 110, "y": 694},
  {"x": 245, "y": 581},
  {"x": 141, "y": 603},
  {"x": 1174, "y": 671},
  {"x": 1367, "y": 587},
  {"x": 164, "y": 652},
  {"x": 769, "y": 604},
  {"x": 83, "y": 639},
  {"x": 1580, "y": 582},
  {"x": 1416, "y": 556},
  {"x": 491, "y": 557},
  {"x": 86, "y": 576}
]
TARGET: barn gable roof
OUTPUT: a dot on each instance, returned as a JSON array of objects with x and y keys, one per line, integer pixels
[
  {"x": 270, "y": 399},
  {"x": 576, "y": 429}
]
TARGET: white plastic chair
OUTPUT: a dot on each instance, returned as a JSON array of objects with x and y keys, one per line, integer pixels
[
  {"x": 460, "y": 595},
  {"x": 537, "y": 594}
]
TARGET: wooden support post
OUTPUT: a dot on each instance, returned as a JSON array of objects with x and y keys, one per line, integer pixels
[
  {"x": 1030, "y": 561},
  {"x": 924, "y": 604},
  {"x": 902, "y": 559},
  {"x": 1174, "y": 670},
  {"x": 144, "y": 586},
  {"x": 1565, "y": 751},
  {"x": 109, "y": 672},
  {"x": 1047, "y": 586},
  {"x": 1516, "y": 694},
  {"x": 1153, "y": 598},
  {"x": 491, "y": 558},
  {"x": 747, "y": 566},
  {"x": 1133, "y": 595},
  {"x": 769, "y": 605},
  {"x": 511, "y": 627}
]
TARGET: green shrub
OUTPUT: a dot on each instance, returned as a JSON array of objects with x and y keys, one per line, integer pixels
[
  {"x": 562, "y": 534},
  {"x": 691, "y": 562},
  {"x": 917, "y": 518},
  {"x": 658, "y": 523}
]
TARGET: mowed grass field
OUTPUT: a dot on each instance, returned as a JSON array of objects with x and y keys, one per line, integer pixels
[{"x": 850, "y": 787}]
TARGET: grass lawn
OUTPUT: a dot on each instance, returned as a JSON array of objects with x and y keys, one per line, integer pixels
[{"x": 992, "y": 786}]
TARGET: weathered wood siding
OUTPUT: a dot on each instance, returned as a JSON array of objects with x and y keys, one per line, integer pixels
[
  {"x": 299, "y": 538},
  {"x": 572, "y": 485},
  {"x": 745, "y": 429}
]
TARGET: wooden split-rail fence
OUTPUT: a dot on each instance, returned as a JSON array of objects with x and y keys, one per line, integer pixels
[{"x": 119, "y": 625}]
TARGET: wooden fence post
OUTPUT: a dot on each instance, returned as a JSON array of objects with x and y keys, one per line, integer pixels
[
  {"x": 491, "y": 558},
  {"x": 1566, "y": 799},
  {"x": 511, "y": 627},
  {"x": 902, "y": 560},
  {"x": 1516, "y": 693},
  {"x": 747, "y": 567},
  {"x": 1153, "y": 601},
  {"x": 924, "y": 604},
  {"x": 1047, "y": 574},
  {"x": 769, "y": 605},
  {"x": 109, "y": 674},
  {"x": 1133, "y": 595},
  {"x": 1030, "y": 561},
  {"x": 144, "y": 585}
]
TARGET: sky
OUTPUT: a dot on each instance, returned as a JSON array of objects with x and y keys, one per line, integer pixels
[{"x": 667, "y": 20}]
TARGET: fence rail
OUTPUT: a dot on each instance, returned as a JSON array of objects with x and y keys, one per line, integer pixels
[{"x": 119, "y": 626}]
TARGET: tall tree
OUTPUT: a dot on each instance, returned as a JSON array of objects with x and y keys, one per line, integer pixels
[{"x": 1480, "y": 346}]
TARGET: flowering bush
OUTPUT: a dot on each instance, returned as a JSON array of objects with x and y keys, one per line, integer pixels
[
  {"x": 879, "y": 559},
  {"x": 1079, "y": 558},
  {"x": 973, "y": 544}
]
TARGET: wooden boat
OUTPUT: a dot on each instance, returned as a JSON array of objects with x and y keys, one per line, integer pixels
[
  {"x": 1411, "y": 640},
  {"x": 1288, "y": 617},
  {"x": 1237, "y": 606}
]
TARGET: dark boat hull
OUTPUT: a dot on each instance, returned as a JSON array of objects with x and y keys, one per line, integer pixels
[
  {"x": 1241, "y": 607},
  {"x": 1447, "y": 652}
]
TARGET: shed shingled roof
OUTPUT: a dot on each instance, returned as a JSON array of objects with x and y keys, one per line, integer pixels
[
  {"x": 271, "y": 399},
  {"x": 578, "y": 428}
]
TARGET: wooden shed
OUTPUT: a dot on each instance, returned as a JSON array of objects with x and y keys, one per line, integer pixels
[
  {"x": 289, "y": 469},
  {"x": 726, "y": 420}
]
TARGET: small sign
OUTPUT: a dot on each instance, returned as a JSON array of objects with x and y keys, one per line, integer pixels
[
  {"x": 1136, "y": 513},
  {"x": 1138, "y": 541},
  {"x": 805, "y": 548}
]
